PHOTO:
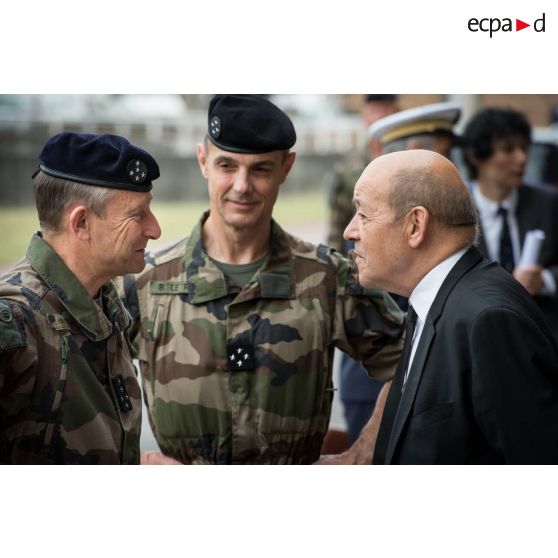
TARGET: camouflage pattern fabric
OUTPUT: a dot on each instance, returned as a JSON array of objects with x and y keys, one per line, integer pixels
[
  {"x": 340, "y": 197},
  {"x": 68, "y": 389},
  {"x": 191, "y": 322}
]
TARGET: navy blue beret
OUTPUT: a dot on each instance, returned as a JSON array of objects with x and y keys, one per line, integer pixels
[
  {"x": 248, "y": 124},
  {"x": 99, "y": 160}
]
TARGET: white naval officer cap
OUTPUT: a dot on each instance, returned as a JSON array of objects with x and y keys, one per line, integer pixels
[{"x": 438, "y": 117}]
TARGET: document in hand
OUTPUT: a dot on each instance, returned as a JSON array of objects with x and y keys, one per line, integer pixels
[{"x": 531, "y": 248}]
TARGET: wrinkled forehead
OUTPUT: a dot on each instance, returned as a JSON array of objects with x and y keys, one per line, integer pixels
[
  {"x": 126, "y": 201},
  {"x": 126, "y": 196},
  {"x": 360, "y": 192},
  {"x": 371, "y": 188}
]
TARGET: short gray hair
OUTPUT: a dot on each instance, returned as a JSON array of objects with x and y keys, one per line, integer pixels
[
  {"x": 54, "y": 195},
  {"x": 448, "y": 205}
]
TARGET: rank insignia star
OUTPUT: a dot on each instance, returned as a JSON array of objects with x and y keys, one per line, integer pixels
[
  {"x": 122, "y": 396},
  {"x": 240, "y": 357},
  {"x": 137, "y": 171},
  {"x": 215, "y": 127}
]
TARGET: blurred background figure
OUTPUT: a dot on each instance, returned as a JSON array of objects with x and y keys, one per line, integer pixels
[
  {"x": 427, "y": 127},
  {"x": 375, "y": 108},
  {"x": 358, "y": 391},
  {"x": 497, "y": 145}
]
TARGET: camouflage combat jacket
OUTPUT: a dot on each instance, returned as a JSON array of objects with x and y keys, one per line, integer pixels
[
  {"x": 341, "y": 184},
  {"x": 68, "y": 389},
  {"x": 236, "y": 375}
]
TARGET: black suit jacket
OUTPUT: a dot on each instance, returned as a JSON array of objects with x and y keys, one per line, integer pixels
[
  {"x": 483, "y": 385},
  {"x": 537, "y": 208}
]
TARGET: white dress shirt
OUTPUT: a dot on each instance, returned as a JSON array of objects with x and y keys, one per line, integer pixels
[
  {"x": 492, "y": 227},
  {"x": 423, "y": 296}
]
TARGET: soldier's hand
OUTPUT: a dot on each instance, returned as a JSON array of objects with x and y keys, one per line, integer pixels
[
  {"x": 157, "y": 458},
  {"x": 362, "y": 451}
]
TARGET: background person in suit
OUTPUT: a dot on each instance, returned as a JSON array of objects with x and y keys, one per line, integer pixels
[
  {"x": 478, "y": 378},
  {"x": 497, "y": 144}
]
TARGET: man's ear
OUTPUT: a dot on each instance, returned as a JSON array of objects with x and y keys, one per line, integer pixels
[
  {"x": 80, "y": 222},
  {"x": 416, "y": 226},
  {"x": 202, "y": 158},
  {"x": 289, "y": 162}
]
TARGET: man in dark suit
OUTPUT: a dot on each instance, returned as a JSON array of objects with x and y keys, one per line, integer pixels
[
  {"x": 497, "y": 143},
  {"x": 478, "y": 378},
  {"x": 424, "y": 127}
]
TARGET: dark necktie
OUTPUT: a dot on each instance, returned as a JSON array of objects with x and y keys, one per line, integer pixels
[
  {"x": 506, "y": 248},
  {"x": 394, "y": 395}
]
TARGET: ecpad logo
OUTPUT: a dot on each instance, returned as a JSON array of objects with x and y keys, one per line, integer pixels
[{"x": 494, "y": 24}]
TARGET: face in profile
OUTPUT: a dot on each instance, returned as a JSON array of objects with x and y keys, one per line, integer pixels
[
  {"x": 120, "y": 236},
  {"x": 375, "y": 232}
]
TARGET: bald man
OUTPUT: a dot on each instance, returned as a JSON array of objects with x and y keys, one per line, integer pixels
[{"x": 478, "y": 378}]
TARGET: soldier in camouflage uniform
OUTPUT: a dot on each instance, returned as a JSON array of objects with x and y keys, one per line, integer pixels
[
  {"x": 236, "y": 325},
  {"x": 68, "y": 389}
]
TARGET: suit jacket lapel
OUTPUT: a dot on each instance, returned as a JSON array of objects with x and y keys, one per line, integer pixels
[
  {"x": 410, "y": 391},
  {"x": 470, "y": 259}
]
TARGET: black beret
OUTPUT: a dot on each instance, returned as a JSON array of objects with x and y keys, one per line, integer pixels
[
  {"x": 99, "y": 160},
  {"x": 377, "y": 98},
  {"x": 248, "y": 124}
]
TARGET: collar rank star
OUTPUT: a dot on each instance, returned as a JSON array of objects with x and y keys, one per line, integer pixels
[
  {"x": 240, "y": 357},
  {"x": 137, "y": 171}
]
